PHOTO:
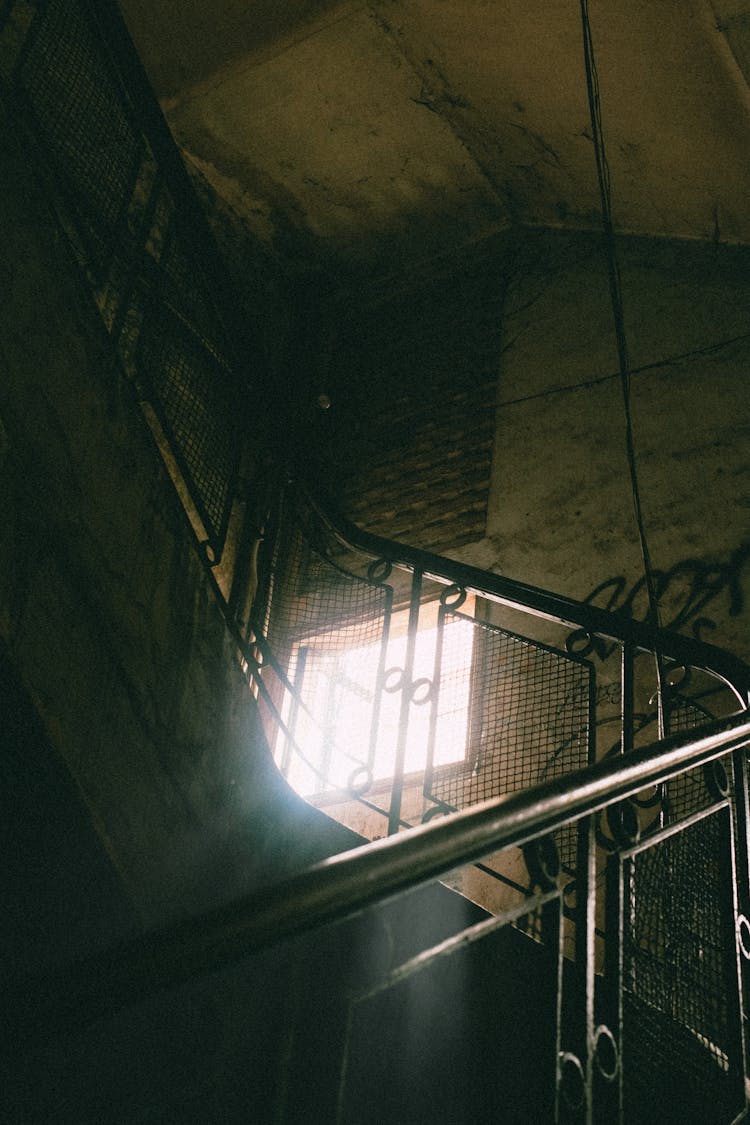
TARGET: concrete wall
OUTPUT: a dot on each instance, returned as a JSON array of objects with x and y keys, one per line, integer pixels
[
  {"x": 560, "y": 511},
  {"x": 536, "y": 318},
  {"x": 106, "y": 613}
]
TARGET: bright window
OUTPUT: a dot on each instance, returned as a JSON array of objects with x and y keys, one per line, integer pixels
[{"x": 333, "y": 725}]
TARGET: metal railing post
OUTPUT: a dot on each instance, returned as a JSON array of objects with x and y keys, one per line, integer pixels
[{"x": 407, "y": 681}]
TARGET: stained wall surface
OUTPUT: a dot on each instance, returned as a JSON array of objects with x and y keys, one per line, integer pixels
[
  {"x": 381, "y": 130},
  {"x": 561, "y": 511}
]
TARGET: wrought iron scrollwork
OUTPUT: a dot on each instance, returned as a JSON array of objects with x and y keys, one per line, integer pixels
[
  {"x": 453, "y": 597},
  {"x": 570, "y": 898},
  {"x": 440, "y": 809},
  {"x": 623, "y": 823},
  {"x": 421, "y": 691},
  {"x": 678, "y": 677},
  {"x": 743, "y": 935},
  {"x": 582, "y": 643},
  {"x": 359, "y": 781},
  {"x": 393, "y": 680},
  {"x": 652, "y": 802},
  {"x": 606, "y": 1054},
  {"x": 209, "y": 552},
  {"x": 606, "y": 842},
  {"x": 717, "y": 780},
  {"x": 542, "y": 860},
  {"x": 380, "y": 571},
  {"x": 572, "y": 1080}
]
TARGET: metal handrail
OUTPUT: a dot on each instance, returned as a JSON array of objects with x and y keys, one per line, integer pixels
[
  {"x": 344, "y": 885},
  {"x": 591, "y": 619}
]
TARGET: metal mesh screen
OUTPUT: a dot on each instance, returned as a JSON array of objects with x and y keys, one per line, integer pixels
[
  {"x": 528, "y": 711},
  {"x": 185, "y": 286},
  {"x": 680, "y": 1033},
  {"x": 79, "y": 112},
  {"x": 194, "y": 397},
  {"x": 124, "y": 208},
  {"x": 687, "y": 793},
  {"x": 481, "y": 712},
  {"x": 328, "y": 630}
]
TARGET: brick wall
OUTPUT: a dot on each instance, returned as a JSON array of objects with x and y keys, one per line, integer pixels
[{"x": 411, "y": 373}]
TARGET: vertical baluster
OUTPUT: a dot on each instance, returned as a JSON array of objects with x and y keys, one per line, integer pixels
[
  {"x": 735, "y": 975},
  {"x": 294, "y": 702},
  {"x": 742, "y": 820},
  {"x": 407, "y": 679},
  {"x": 612, "y": 1108},
  {"x": 381, "y": 672},
  {"x": 742, "y": 815},
  {"x": 553, "y": 938},
  {"x": 627, "y": 692},
  {"x": 587, "y": 919},
  {"x": 435, "y": 699},
  {"x": 742, "y": 877},
  {"x": 582, "y": 1044},
  {"x": 585, "y": 947}
]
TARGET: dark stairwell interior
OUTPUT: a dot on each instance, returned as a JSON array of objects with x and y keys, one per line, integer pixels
[{"x": 463, "y": 403}]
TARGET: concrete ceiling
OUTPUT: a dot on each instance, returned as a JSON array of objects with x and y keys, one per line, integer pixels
[{"x": 372, "y": 132}]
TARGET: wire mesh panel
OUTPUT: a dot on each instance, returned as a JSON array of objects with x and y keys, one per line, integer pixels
[
  {"x": 528, "y": 710},
  {"x": 79, "y": 112},
  {"x": 186, "y": 286},
  {"x": 328, "y": 630},
  {"x": 689, "y": 792},
  {"x": 681, "y": 1035},
  {"x": 126, "y": 210},
  {"x": 194, "y": 397}
]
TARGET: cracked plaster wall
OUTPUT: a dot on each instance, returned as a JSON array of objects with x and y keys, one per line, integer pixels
[{"x": 357, "y": 136}]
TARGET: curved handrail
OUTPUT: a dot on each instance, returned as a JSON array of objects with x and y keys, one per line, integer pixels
[
  {"x": 642, "y": 635},
  {"x": 343, "y": 885}
]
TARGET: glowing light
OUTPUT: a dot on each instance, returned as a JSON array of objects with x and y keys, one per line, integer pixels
[{"x": 335, "y": 729}]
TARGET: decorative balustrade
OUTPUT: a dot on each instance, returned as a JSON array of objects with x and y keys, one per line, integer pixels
[
  {"x": 76, "y": 92},
  {"x": 400, "y": 686}
]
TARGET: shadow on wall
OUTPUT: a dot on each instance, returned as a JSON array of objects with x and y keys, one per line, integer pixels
[
  {"x": 60, "y": 893},
  {"x": 683, "y": 592}
]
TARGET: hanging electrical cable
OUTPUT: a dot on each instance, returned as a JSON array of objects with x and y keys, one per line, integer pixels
[{"x": 615, "y": 289}]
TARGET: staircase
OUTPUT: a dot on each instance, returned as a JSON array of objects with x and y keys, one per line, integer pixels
[
  {"x": 624, "y": 894},
  {"x": 549, "y": 918},
  {"x": 363, "y": 991}
]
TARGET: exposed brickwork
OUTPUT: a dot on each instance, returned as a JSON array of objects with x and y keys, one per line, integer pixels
[{"x": 413, "y": 380}]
